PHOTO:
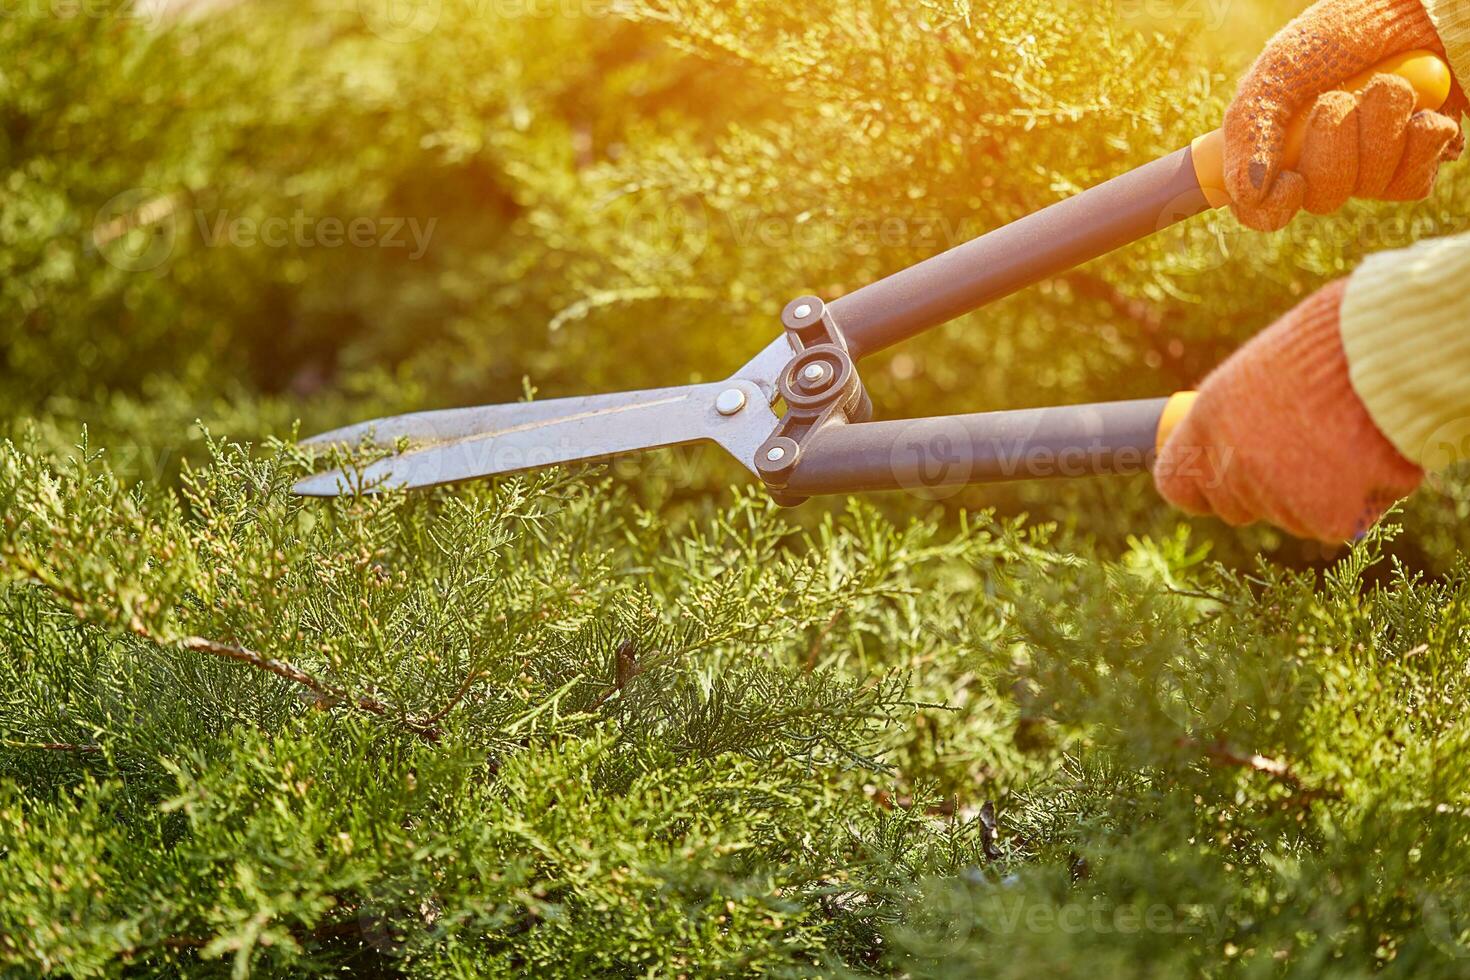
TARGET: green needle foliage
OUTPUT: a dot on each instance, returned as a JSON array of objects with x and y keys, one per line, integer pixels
[
  {"x": 625, "y": 720},
  {"x": 532, "y": 727}
]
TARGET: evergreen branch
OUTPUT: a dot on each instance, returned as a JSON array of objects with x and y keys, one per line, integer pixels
[
  {"x": 328, "y": 930},
  {"x": 582, "y": 308},
  {"x": 1221, "y": 754},
  {"x": 1201, "y": 594},
  {"x": 821, "y": 638},
  {"x": 326, "y": 693},
  {"x": 454, "y": 701},
  {"x": 53, "y": 746},
  {"x": 270, "y": 665}
]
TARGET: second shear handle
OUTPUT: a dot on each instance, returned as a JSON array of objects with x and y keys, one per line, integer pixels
[{"x": 997, "y": 447}]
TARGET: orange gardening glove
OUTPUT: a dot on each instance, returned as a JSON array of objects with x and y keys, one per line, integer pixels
[
  {"x": 1279, "y": 435},
  {"x": 1372, "y": 145}
]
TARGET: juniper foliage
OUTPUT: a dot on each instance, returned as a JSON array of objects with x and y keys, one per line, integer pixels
[{"x": 530, "y": 726}]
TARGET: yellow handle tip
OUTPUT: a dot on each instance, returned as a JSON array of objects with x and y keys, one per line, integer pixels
[
  {"x": 1425, "y": 70},
  {"x": 1174, "y": 415}
]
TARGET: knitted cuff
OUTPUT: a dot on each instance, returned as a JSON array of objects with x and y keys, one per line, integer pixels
[
  {"x": 1452, "y": 19},
  {"x": 1406, "y": 332}
]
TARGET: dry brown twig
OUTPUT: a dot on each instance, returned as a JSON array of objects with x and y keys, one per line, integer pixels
[
  {"x": 53, "y": 746},
  {"x": 327, "y": 694},
  {"x": 1221, "y": 754}
]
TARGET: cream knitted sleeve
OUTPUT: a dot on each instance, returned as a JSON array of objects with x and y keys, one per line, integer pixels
[{"x": 1406, "y": 332}]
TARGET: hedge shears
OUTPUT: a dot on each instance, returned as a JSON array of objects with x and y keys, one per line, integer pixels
[{"x": 826, "y": 441}]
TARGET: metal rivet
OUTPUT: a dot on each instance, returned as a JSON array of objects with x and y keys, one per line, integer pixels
[
  {"x": 802, "y": 312},
  {"x": 814, "y": 372},
  {"x": 730, "y": 402},
  {"x": 776, "y": 455}
]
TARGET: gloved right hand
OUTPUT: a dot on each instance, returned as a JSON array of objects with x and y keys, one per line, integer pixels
[
  {"x": 1280, "y": 435},
  {"x": 1371, "y": 145}
]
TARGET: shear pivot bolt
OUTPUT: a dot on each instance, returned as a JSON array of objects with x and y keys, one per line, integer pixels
[
  {"x": 730, "y": 402},
  {"x": 814, "y": 372},
  {"x": 776, "y": 455},
  {"x": 802, "y": 312}
]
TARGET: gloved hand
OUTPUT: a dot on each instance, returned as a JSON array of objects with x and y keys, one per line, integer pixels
[
  {"x": 1372, "y": 145},
  {"x": 1279, "y": 435}
]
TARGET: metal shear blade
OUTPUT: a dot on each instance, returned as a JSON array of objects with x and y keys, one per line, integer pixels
[{"x": 459, "y": 444}]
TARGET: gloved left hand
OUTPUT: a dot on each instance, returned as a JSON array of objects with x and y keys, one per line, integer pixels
[{"x": 1370, "y": 145}]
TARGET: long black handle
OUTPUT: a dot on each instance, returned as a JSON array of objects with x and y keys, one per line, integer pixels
[
  {"x": 1048, "y": 243},
  {"x": 1045, "y": 443}
]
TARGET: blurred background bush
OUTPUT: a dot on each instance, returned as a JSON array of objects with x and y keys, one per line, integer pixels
[{"x": 255, "y": 212}]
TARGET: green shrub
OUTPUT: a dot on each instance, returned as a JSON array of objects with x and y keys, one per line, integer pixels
[{"x": 534, "y": 727}]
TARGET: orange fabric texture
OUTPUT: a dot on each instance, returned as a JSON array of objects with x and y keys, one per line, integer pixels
[
  {"x": 1372, "y": 145},
  {"x": 1279, "y": 435}
]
